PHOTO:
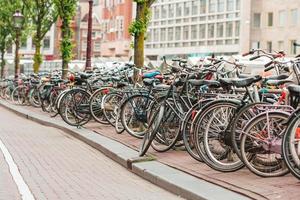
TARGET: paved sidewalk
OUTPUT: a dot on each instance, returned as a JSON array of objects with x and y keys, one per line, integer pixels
[
  {"x": 242, "y": 181},
  {"x": 58, "y": 166}
]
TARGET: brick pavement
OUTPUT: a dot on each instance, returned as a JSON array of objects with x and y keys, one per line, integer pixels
[
  {"x": 242, "y": 181},
  {"x": 58, "y": 166},
  {"x": 8, "y": 189}
]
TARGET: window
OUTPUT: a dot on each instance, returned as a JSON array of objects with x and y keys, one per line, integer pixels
[
  {"x": 24, "y": 44},
  {"x": 156, "y": 36},
  {"x": 187, "y": 6},
  {"x": 178, "y": 33},
  {"x": 195, "y": 7},
  {"x": 237, "y": 28},
  {"x": 269, "y": 47},
  {"x": 171, "y": 33},
  {"x": 282, "y": 17},
  {"x": 164, "y": 12},
  {"x": 202, "y": 6},
  {"x": 202, "y": 31},
  {"x": 256, "y": 20},
  {"x": 220, "y": 30},
  {"x": 186, "y": 31},
  {"x": 294, "y": 17},
  {"x": 212, "y": 6},
  {"x": 280, "y": 45},
  {"x": 97, "y": 45},
  {"x": 229, "y": 29},
  {"x": 178, "y": 9},
  {"x": 293, "y": 48},
  {"x": 163, "y": 34},
  {"x": 221, "y": 4},
  {"x": 156, "y": 12},
  {"x": 194, "y": 32},
  {"x": 230, "y": 5},
  {"x": 238, "y": 4},
  {"x": 211, "y": 30},
  {"x": 46, "y": 43},
  {"x": 270, "y": 19},
  {"x": 171, "y": 10}
]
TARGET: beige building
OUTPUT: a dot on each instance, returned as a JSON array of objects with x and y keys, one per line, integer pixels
[
  {"x": 275, "y": 25},
  {"x": 223, "y": 27}
]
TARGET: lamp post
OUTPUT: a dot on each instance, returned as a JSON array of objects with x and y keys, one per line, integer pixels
[
  {"x": 88, "y": 66},
  {"x": 18, "y": 20}
]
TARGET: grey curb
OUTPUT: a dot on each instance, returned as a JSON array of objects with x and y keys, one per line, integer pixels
[{"x": 173, "y": 180}]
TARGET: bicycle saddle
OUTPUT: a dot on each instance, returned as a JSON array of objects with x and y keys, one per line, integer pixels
[
  {"x": 149, "y": 81},
  {"x": 277, "y": 77},
  {"x": 245, "y": 82},
  {"x": 209, "y": 83},
  {"x": 278, "y": 82},
  {"x": 85, "y": 75},
  {"x": 294, "y": 88}
]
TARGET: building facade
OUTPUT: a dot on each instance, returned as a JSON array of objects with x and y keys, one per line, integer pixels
[
  {"x": 275, "y": 25},
  {"x": 116, "y": 19},
  {"x": 194, "y": 28}
]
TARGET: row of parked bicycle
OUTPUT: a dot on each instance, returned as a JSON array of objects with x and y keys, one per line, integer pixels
[{"x": 221, "y": 116}]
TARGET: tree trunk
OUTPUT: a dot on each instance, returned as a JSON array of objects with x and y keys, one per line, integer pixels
[
  {"x": 64, "y": 34},
  {"x": 37, "y": 56},
  {"x": 2, "y": 62},
  {"x": 139, "y": 40}
]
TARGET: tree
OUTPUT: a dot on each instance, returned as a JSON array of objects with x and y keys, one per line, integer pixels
[
  {"x": 138, "y": 30},
  {"x": 7, "y": 31},
  {"x": 66, "y": 11},
  {"x": 43, "y": 15}
]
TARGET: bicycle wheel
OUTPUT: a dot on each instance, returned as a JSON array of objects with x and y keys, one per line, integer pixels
[
  {"x": 34, "y": 97},
  {"x": 110, "y": 104},
  {"x": 218, "y": 151},
  {"x": 261, "y": 144},
  {"x": 75, "y": 107},
  {"x": 95, "y": 105},
  {"x": 169, "y": 129},
  {"x": 291, "y": 147},
  {"x": 240, "y": 121},
  {"x": 133, "y": 112},
  {"x": 154, "y": 121}
]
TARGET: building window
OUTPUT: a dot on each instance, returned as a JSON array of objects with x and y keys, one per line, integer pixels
[
  {"x": 238, "y": 4},
  {"x": 211, "y": 30},
  {"x": 163, "y": 34},
  {"x": 212, "y": 6},
  {"x": 230, "y": 5},
  {"x": 269, "y": 47},
  {"x": 202, "y": 31},
  {"x": 202, "y": 6},
  {"x": 293, "y": 48},
  {"x": 46, "y": 43},
  {"x": 97, "y": 46},
  {"x": 256, "y": 20},
  {"x": 195, "y": 7},
  {"x": 229, "y": 29},
  {"x": 270, "y": 19},
  {"x": 282, "y": 18},
  {"x": 237, "y": 28},
  {"x": 171, "y": 33},
  {"x": 24, "y": 44},
  {"x": 194, "y": 32},
  {"x": 178, "y": 33},
  {"x": 294, "y": 17},
  {"x": 280, "y": 45},
  {"x": 156, "y": 12},
  {"x": 186, "y": 32},
  {"x": 221, "y": 5},
  {"x": 220, "y": 30},
  {"x": 164, "y": 12},
  {"x": 187, "y": 6},
  {"x": 171, "y": 10},
  {"x": 178, "y": 9},
  {"x": 156, "y": 36}
]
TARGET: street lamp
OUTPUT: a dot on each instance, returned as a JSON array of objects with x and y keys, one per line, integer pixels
[
  {"x": 88, "y": 66},
  {"x": 18, "y": 20}
]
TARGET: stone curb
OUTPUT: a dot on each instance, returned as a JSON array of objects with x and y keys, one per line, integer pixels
[{"x": 173, "y": 180}]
